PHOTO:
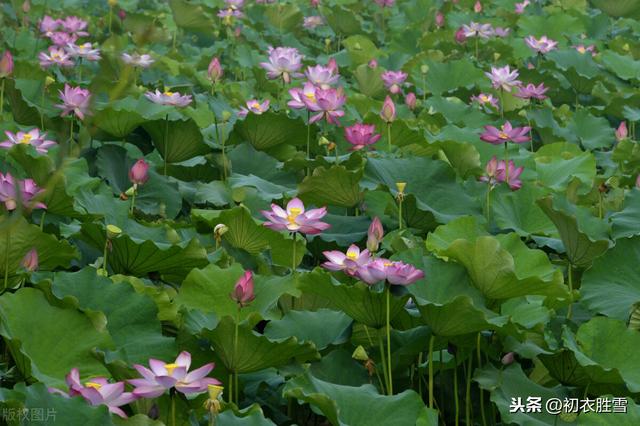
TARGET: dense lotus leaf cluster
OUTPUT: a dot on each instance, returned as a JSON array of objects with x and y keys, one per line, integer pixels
[{"x": 337, "y": 212}]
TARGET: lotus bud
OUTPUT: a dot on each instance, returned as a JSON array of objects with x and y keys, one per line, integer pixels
[
  {"x": 388, "y": 112},
  {"x": 477, "y": 7},
  {"x": 30, "y": 260},
  {"x": 439, "y": 19},
  {"x": 139, "y": 173},
  {"x": 113, "y": 232},
  {"x": 638, "y": 182},
  {"x": 6, "y": 64},
  {"x": 373, "y": 64},
  {"x": 621, "y": 131},
  {"x": 26, "y": 6},
  {"x": 243, "y": 291},
  {"x": 460, "y": 37},
  {"x": 508, "y": 359},
  {"x": 122, "y": 14},
  {"x": 374, "y": 235},
  {"x": 315, "y": 3},
  {"x": 332, "y": 65},
  {"x": 215, "y": 71},
  {"x": 410, "y": 100},
  {"x": 360, "y": 354},
  {"x": 172, "y": 235}
]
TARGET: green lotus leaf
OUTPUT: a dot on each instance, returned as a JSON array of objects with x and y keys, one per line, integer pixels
[
  {"x": 323, "y": 327},
  {"x": 592, "y": 132},
  {"x": 452, "y": 75},
  {"x": 360, "y": 49},
  {"x": 251, "y": 416},
  {"x": 344, "y": 230},
  {"x": 184, "y": 138},
  {"x": 119, "y": 118},
  {"x": 284, "y": 17},
  {"x": 560, "y": 163},
  {"x": 621, "y": 8},
  {"x": 41, "y": 343},
  {"x": 190, "y": 16},
  {"x": 518, "y": 211},
  {"x": 335, "y": 185},
  {"x": 369, "y": 80},
  {"x": 625, "y": 223},
  {"x": 264, "y": 131}
]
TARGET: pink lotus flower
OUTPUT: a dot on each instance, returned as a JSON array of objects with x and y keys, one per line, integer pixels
[
  {"x": 332, "y": 64},
  {"x": 302, "y": 97},
  {"x": 505, "y": 134},
  {"x": 311, "y": 22},
  {"x": 228, "y": 14},
  {"x": 62, "y": 39},
  {"x": 501, "y": 32},
  {"x": 30, "y": 260},
  {"x": 48, "y": 25},
  {"x": 388, "y": 112},
  {"x": 348, "y": 262},
  {"x": 284, "y": 62},
  {"x": 6, "y": 64},
  {"x": 410, "y": 100},
  {"x": 75, "y": 25},
  {"x": 503, "y": 78},
  {"x": 531, "y": 91},
  {"x": 295, "y": 218},
  {"x": 84, "y": 51},
  {"x": 137, "y": 60},
  {"x": 396, "y": 273},
  {"x": 393, "y": 80},
  {"x": 214, "y": 71},
  {"x": 584, "y": 49},
  {"x": 514, "y": 175},
  {"x": 485, "y": 99},
  {"x": 32, "y": 137},
  {"x": 439, "y": 19},
  {"x": 375, "y": 234},
  {"x": 328, "y": 104},
  {"x": 475, "y": 29},
  {"x": 322, "y": 76},
  {"x": 460, "y": 36},
  {"x": 168, "y": 98},
  {"x": 74, "y": 100},
  {"x": 542, "y": 45},
  {"x": 163, "y": 376},
  {"x": 98, "y": 391},
  {"x": 14, "y": 190},
  {"x": 519, "y": 7},
  {"x": 243, "y": 291},
  {"x": 373, "y": 64},
  {"x": 139, "y": 172},
  {"x": 477, "y": 7},
  {"x": 255, "y": 107},
  {"x": 385, "y": 3},
  {"x": 57, "y": 56},
  {"x": 491, "y": 171},
  {"x": 361, "y": 135},
  {"x": 621, "y": 131}
]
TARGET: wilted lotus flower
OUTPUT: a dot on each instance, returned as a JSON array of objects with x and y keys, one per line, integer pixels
[
  {"x": 385, "y": 3},
  {"x": 75, "y": 25},
  {"x": 163, "y": 376},
  {"x": 6, "y": 64},
  {"x": 57, "y": 56},
  {"x": 62, "y": 39},
  {"x": 410, "y": 100},
  {"x": 477, "y": 7},
  {"x": 84, "y": 51},
  {"x": 301, "y": 98},
  {"x": 460, "y": 36},
  {"x": 485, "y": 99},
  {"x": 348, "y": 262},
  {"x": 521, "y": 6},
  {"x": 531, "y": 91},
  {"x": 439, "y": 19},
  {"x": 295, "y": 218},
  {"x": 321, "y": 76},
  {"x": 137, "y": 60},
  {"x": 584, "y": 49},
  {"x": 542, "y": 45},
  {"x": 139, "y": 172},
  {"x": 503, "y": 78},
  {"x": 311, "y": 22},
  {"x": 32, "y": 137},
  {"x": 169, "y": 98},
  {"x": 214, "y": 71},
  {"x": 621, "y": 131},
  {"x": 328, "y": 104},
  {"x": 284, "y": 62},
  {"x": 361, "y": 135},
  {"x": 12, "y": 190},
  {"x": 374, "y": 235},
  {"x": 388, "y": 112},
  {"x": 255, "y": 107},
  {"x": 475, "y": 29},
  {"x": 514, "y": 175},
  {"x": 243, "y": 291},
  {"x": 506, "y": 133},
  {"x": 393, "y": 80},
  {"x": 98, "y": 391},
  {"x": 30, "y": 260},
  {"x": 74, "y": 100}
]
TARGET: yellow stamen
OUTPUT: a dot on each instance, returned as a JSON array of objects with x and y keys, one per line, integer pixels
[
  {"x": 311, "y": 96},
  {"x": 92, "y": 385},
  {"x": 168, "y": 93},
  {"x": 294, "y": 213},
  {"x": 26, "y": 138},
  {"x": 484, "y": 98},
  {"x": 581, "y": 49},
  {"x": 503, "y": 135},
  {"x": 352, "y": 255},
  {"x": 170, "y": 368},
  {"x": 256, "y": 105}
]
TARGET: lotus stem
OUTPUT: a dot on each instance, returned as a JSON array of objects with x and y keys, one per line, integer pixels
[
  {"x": 44, "y": 213},
  {"x": 384, "y": 363},
  {"x": 455, "y": 389},
  {"x": 308, "y": 140},
  {"x": 506, "y": 162},
  {"x": 293, "y": 268},
  {"x": 477, "y": 58},
  {"x": 104, "y": 256},
  {"x": 501, "y": 102},
  {"x": 400, "y": 213},
  {"x": 235, "y": 352},
  {"x": 44, "y": 89},
  {"x": 488, "y": 203},
  {"x": 389, "y": 135},
  {"x": 230, "y": 398},
  {"x": 420, "y": 375},
  {"x": 570, "y": 279},
  {"x": 224, "y": 157},
  {"x": 133, "y": 202},
  {"x": 600, "y": 206},
  {"x": 110, "y": 18},
  {"x": 173, "y": 407},
  {"x": 478, "y": 349},
  {"x": 2, "y": 97},
  {"x": 467, "y": 399},
  {"x": 431, "y": 341},
  {"x": 166, "y": 142},
  {"x": 390, "y": 389},
  {"x": 6, "y": 259}
]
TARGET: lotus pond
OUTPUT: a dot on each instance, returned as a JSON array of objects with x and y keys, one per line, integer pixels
[{"x": 324, "y": 212}]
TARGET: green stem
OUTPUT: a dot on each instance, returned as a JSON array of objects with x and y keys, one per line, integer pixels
[
  {"x": 384, "y": 362},
  {"x": 501, "y": 102},
  {"x": 44, "y": 213},
  {"x": 224, "y": 158},
  {"x": 431, "y": 341},
  {"x": 173, "y": 408},
  {"x": 467, "y": 399},
  {"x": 235, "y": 352},
  {"x": 133, "y": 202},
  {"x": 600, "y": 207},
  {"x": 104, "y": 256},
  {"x": 2, "y": 97},
  {"x": 488, "y": 203},
  {"x": 506, "y": 163},
  {"x": 166, "y": 142},
  {"x": 110, "y": 18},
  {"x": 420, "y": 375},
  {"x": 424, "y": 89},
  {"x": 6, "y": 259},
  {"x": 293, "y": 268},
  {"x": 71, "y": 132},
  {"x": 308, "y": 140},
  {"x": 44, "y": 88},
  {"x": 455, "y": 390},
  {"x": 400, "y": 213},
  {"x": 570, "y": 278},
  {"x": 477, "y": 59},
  {"x": 479, "y": 353},
  {"x": 389, "y": 135},
  {"x": 390, "y": 389},
  {"x": 230, "y": 398}
]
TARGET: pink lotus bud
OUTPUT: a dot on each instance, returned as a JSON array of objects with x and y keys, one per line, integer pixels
[
  {"x": 439, "y": 19},
  {"x": 243, "y": 291},
  {"x": 26, "y": 6},
  {"x": 374, "y": 235},
  {"x": 388, "y": 112},
  {"x": 333, "y": 65},
  {"x": 139, "y": 173},
  {"x": 30, "y": 260},
  {"x": 315, "y": 3},
  {"x": 477, "y": 7},
  {"x": 621, "y": 131},
  {"x": 122, "y": 14},
  {"x": 238, "y": 31},
  {"x": 215, "y": 71},
  {"x": 6, "y": 64},
  {"x": 460, "y": 37},
  {"x": 373, "y": 64},
  {"x": 508, "y": 359},
  {"x": 410, "y": 100}
]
